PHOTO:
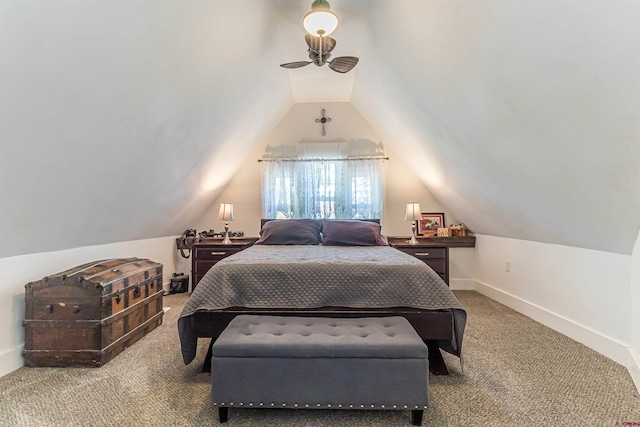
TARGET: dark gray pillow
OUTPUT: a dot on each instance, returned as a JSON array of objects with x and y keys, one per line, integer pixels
[
  {"x": 347, "y": 232},
  {"x": 290, "y": 232}
]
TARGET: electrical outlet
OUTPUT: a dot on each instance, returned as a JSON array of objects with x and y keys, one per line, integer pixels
[{"x": 507, "y": 266}]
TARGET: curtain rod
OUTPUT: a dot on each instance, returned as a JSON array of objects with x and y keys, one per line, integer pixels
[{"x": 321, "y": 159}]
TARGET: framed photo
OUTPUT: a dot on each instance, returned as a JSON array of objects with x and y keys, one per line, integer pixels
[{"x": 430, "y": 222}]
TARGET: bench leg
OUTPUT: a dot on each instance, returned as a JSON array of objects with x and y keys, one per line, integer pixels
[
  {"x": 416, "y": 417},
  {"x": 224, "y": 414}
]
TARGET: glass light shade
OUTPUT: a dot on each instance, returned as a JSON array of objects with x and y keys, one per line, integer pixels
[
  {"x": 413, "y": 212},
  {"x": 226, "y": 212},
  {"x": 320, "y": 22}
]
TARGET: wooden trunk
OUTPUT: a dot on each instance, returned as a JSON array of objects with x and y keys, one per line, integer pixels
[{"x": 87, "y": 315}]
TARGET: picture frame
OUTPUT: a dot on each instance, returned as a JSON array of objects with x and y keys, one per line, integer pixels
[{"x": 430, "y": 222}]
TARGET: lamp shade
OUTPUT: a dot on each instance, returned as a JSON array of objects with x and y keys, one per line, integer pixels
[
  {"x": 321, "y": 21},
  {"x": 413, "y": 212},
  {"x": 226, "y": 212}
]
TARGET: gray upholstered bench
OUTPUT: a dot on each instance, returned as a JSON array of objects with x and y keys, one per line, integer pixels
[{"x": 320, "y": 363}]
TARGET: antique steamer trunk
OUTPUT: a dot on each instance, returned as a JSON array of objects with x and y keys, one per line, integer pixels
[{"x": 87, "y": 315}]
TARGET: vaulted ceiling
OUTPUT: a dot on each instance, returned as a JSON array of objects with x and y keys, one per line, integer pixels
[{"x": 124, "y": 120}]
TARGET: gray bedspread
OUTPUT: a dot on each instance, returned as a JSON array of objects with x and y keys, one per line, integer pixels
[{"x": 317, "y": 276}]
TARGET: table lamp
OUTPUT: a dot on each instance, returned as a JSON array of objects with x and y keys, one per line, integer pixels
[
  {"x": 226, "y": 215},
  {"x": 413, "y": 214}
]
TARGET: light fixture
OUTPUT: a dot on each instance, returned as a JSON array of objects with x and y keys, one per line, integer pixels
[
  {"x": 226, "y": 214},
  {"x": 414, "y": 214},
  {"x": 321, "y": 21}
]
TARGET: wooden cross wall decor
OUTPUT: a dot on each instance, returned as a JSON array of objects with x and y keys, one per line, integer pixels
[{"x": 323, "y": 120}]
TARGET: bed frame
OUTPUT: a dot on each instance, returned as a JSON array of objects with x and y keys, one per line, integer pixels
[{"x": 431, "y": 325}]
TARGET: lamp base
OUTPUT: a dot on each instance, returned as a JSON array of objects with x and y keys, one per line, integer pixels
[
  {"x": 413, "y": 240},
  {"x": 226, "y": 240}
]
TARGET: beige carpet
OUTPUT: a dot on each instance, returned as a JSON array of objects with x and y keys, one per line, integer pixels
[{"x": 516, "y": 373}]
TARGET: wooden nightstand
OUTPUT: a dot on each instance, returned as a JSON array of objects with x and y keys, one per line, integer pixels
[
  {"x": 207, "y": 252},
  {"x": 433, "y": 251}
]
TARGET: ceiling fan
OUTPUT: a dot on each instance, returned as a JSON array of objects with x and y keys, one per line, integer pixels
[
  {"x": 320, "y": 51},
  {"x": 322, "y": 21}
]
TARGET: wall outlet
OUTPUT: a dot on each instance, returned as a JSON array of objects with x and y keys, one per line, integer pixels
[{"x": 507, "y": 266}]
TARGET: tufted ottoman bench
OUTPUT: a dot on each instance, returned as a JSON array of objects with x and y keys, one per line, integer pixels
[{"x": 320, "y": 363}]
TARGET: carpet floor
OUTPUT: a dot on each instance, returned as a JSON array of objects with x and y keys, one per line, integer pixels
[{"x": 516, "y": 373}]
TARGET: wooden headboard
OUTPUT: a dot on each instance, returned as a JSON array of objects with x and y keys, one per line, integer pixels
[{"x": 263, "y": 221}]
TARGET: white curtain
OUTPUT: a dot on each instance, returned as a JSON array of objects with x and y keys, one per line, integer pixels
[{"x": 338, "y": 189}]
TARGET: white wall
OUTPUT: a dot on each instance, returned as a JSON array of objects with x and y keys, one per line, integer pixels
[
  {"x": 582, "y": 293},
  {"x": 634, "y": 359},
  {"x": 462, "y": 263},
  {"x": 347, "y": 125},
  {"x": 402, "y": 185},
  {"x": 17, "y": 271}
]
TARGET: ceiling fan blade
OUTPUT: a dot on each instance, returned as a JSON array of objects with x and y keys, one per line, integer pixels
[
  {"x": 343, "y": 64},
  {"x": 328, "y": 44},
  {"x": 297, "y": 64}
]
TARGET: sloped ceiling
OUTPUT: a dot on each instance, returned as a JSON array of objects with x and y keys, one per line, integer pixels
[
  {"x": 522, "y": 117},
  {"x": 124, "y": 120}
]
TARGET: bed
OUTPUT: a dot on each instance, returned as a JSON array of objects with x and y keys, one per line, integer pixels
[{"x": 324, "y": 268}]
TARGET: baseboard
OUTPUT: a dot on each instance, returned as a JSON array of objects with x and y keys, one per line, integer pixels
[
  {"x": 10, "y": 360},
  {"x": 462, "y": 284},
  {"x": 609, "y": 347},
  {"x": 634, "y": 367}
]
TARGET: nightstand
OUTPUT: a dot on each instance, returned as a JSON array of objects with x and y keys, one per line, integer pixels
[
  {"x": 433, "y": 251},
  {"x": 207, "y": 252}
]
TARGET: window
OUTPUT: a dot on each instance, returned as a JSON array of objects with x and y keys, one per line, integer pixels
[{"x": 317, "y": 188}]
